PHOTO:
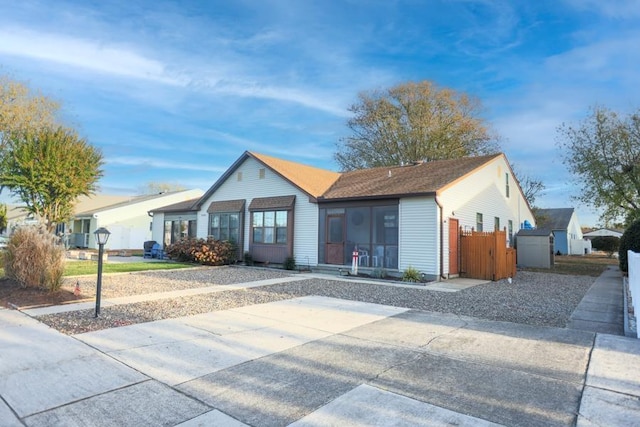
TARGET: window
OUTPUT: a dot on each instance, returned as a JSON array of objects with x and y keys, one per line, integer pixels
[
  {"x": 225, "y": 226},
  {"x": 270, "y": 227},
  {"x": 506, "y": 178},
  {"x": 174, "y": 230},
  {"x": 478, "y": 222},
  {"x": 496, "y": 224}
]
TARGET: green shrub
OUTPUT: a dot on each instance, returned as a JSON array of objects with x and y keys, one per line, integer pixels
[
  {"x": 379, "y": 273},
  {"x": 607, "y": 244},
  {"x": 202, "y": 251},
  {"x": 411, "y": 275},
  {"x": 248, "y": 258},
  {"x": 289, "y": 263},
  {"x": 630, "y": 240},
  {"x": 34, "y": 258}
]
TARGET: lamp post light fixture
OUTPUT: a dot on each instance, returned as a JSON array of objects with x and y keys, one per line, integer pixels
[{"x": 102, "y": 235}]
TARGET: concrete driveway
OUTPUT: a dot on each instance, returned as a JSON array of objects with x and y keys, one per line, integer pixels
[{"x": 316, "y": 361}]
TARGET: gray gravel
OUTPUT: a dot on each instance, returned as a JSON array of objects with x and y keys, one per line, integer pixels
[{"x": 533, "y": 298}]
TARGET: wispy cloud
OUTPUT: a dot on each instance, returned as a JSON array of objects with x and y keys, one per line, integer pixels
[
  {"x": 161, "y": 164},
  {"x": 84, "y": 53},
  {"x": 626, "y": 9}
]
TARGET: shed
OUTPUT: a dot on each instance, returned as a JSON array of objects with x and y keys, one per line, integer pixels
[{"x": 535, "y": 248}]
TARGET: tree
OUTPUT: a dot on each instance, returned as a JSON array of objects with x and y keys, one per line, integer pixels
[
  {"x": 531, "y": 186},
  {"x": 413, "y": 121},
  {"x": 4, "y": 221},
  {"x": 160, "y": 187},
  {"x": 48, "y": 170},
  {"x": 603, "y": 154},
  {"x": 21, "y": 109},
  {"x": 607, "y": 244}
]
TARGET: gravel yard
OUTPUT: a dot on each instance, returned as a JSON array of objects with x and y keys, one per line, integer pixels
[{"x": 542, "y": 299}]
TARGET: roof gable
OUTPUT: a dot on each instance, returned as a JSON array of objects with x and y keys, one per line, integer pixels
[
  {"x": 414, "y": 179},
  {"x": 309, "y": 179},
  {"x": 313, "y": 181},
  {"x": 554, "y": 219}
]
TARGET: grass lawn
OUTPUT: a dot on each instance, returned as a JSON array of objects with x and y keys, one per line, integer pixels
[
  {"x": 79, "y": 268},
  {"x": 587, "y": 265},
  {"x": 91, "y": 267}
]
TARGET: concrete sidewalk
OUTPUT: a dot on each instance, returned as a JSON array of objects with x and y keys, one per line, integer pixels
[
  {"x": 601, "y": 309},
  {"x": 316, "y": 361}
]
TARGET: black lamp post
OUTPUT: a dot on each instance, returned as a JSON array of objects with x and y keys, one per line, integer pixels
[{"x": 102, "y": 235}]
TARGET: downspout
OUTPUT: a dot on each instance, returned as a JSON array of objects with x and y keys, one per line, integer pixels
[{"x": 441, "y": 275}]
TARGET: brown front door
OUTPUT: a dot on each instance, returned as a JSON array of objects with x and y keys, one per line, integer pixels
[
  {"x": 335, "y": 239},
  {"x": 453, "y": 246}
]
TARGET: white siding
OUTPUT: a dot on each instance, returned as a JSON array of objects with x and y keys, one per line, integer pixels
[
  {"x": 419, "y": 233},
  {"x": 305, "y": 241},
  {"x": 484, "y": 192},
  {"x": 157, "y": 232},
  {"x": 130, "y": 224}
]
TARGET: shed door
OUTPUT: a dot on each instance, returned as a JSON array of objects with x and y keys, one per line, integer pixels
[{"x": 454, "y": 238}]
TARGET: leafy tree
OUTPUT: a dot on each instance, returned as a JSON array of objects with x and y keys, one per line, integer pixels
[
  {"x": 603, "y": 154},
  {"x": 48, "y": 169},
  {"x": 607, "y": 244},
  {"x": 3, "y": 217},
  {"x": 160, "y": 187},
  {"x": 21, "y": 109},
  {"x": 413, "y": 121},
  {"x": 630, "y": 241}
]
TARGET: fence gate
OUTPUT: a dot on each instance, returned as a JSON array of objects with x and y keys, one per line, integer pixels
[{"x": 485, "y": 255}]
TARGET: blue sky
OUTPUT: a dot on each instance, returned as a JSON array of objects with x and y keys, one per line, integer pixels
[{"x": 176, "y": 91}]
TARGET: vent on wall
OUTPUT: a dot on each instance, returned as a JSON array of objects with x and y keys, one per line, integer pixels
[
  {"x": 261, "y": 173},
  {"x": 239, "y": 176}
]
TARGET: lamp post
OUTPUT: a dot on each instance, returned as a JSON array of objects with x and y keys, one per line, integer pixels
[{"x": 102, "y": 235}]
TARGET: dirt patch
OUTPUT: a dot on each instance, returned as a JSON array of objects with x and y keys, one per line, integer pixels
[{"x": 12, "y": 295}]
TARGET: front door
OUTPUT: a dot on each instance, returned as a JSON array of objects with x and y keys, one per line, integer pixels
[
  {"x": 454, "y": 238},
  {"x": 335, "y": 239}
]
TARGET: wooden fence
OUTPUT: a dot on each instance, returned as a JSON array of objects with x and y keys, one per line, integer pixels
[{"x": 485, "y": 255}]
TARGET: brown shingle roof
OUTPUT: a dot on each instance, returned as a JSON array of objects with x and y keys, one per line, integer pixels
[
  {"x": 312, "y": 180},
  {"x": 226, "y": 206},
  {"x": 184, "y": 206},
  {"x": 415, "y": 179}
]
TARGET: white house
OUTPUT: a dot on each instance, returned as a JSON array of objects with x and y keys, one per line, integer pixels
[
  {"x": 392, "y": 217},
  {"x": 603, "y": 232},
  {"x": 128, "y": 220}
]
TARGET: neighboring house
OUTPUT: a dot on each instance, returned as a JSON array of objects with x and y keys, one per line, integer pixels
[
  {"x": 17, "y": 216},
  {"x": 174, "y": 222},
  {"x": 394, "y": 217},
  {"x": 128, "y": 219},
  {"x": 563, "y": 222},
  {"x": 603, "y": 232}
]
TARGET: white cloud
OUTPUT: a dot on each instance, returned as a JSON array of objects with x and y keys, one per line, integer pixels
[
  {"x": 160, "y": 164},
  {"x": 84, "y": 53},
  {"x": 221, "y": 77}
]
